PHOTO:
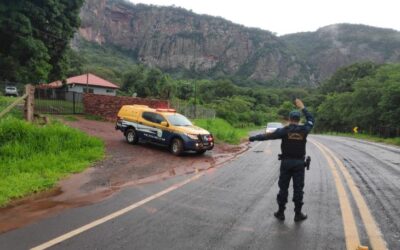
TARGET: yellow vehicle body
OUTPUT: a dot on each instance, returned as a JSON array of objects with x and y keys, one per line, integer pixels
[{"x": 164, "y": 127}]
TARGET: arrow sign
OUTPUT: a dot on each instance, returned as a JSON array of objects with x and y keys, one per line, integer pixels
[{"x": 355, "y": 130}]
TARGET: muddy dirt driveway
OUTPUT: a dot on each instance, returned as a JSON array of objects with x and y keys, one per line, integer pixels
[{"x": 124, "y": 165}]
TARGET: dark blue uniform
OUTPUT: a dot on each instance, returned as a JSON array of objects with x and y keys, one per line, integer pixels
[{"x": 294, "y": 138}]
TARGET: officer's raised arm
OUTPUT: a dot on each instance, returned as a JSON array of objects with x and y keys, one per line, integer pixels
[
  {"x": 309, "y": 117},
  {"x": 277, "y": 134},
  {"x": 310, "y": 120}
]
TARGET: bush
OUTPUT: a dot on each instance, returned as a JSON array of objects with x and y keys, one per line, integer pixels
[
  {"x": 223, "y": 131},
  {"x": 33, "y": 158}
]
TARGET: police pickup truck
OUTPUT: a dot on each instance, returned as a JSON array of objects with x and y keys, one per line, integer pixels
[{"x": 163, "y": 127}]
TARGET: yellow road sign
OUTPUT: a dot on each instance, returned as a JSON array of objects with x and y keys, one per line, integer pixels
[{"x": 355, "y": 130}]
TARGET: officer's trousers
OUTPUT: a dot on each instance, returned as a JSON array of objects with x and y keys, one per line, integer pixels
[{"x": 291, "y": 168}]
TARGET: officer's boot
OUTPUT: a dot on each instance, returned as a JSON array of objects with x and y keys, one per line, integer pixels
[
  {"x": 280, "y": 214},
  {"x": 299, "y": 216}
]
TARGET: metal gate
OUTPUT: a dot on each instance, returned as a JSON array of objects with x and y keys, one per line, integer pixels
[{"x": 58, "y": 101}]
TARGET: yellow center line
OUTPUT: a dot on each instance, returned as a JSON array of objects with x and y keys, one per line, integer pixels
[
  {"x": 349, "y": 224},
  {"x": 113, "y": 215},
  {"x": 374, "y": 234}
]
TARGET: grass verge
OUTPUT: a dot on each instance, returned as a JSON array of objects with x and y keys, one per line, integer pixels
[
  {"x": 223, "y": 131},
  {"x": 34, "y": 158},
  {"x": 93, "y": 117},
  {"x": 392, "y": 141}
]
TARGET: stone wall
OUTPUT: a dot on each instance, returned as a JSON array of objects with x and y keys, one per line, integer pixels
[{"x": 108, "y": 106}]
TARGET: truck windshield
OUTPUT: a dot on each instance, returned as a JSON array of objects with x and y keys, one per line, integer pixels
[{"x": 178, "y": 120}]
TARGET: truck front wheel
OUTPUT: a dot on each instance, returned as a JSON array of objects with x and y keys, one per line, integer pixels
[
  {"x": 177, "y": 146},
  {"x": 131, "y": 136}
]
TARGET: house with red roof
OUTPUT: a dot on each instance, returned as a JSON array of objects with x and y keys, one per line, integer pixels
[{"x": 85, "y": 83}]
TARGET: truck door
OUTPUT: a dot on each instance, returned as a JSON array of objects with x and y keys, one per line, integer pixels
[{"x": 151, "y": 127}]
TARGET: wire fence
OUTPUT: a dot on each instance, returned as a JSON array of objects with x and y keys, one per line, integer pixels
[
  {"x": 58, "y": 102},
  {"x": 193, "y": 111}
]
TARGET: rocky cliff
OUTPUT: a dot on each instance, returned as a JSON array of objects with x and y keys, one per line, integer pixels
[
  {"x": 338, "y": 45},
  {"x": 175, "y": 39}
]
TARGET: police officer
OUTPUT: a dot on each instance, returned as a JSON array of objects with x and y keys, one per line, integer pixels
[{"x": 293, "y": 146}]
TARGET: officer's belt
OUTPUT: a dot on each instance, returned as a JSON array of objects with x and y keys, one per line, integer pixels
[{"x": 286, "y": 157}]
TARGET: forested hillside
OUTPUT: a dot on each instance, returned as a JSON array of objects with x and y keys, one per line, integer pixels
[
  {"x": 362, "y": 95},
  {"x": 339, "y": 45}
]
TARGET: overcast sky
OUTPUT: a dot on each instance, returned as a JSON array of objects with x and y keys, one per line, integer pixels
[{"x": 290, "y": 16}]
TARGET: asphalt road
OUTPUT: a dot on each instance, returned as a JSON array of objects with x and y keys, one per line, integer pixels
[{"x": 351, "y": 197}]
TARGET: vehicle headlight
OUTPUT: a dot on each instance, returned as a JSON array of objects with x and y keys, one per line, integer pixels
[{"x": 192, "y": 136}]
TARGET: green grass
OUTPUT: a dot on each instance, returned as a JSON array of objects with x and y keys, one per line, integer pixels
[
  {"x": 93, "y": 117},
  {"x": 223, "y": 131},
  {"x": 70, "y": 118},
  {"x": 392, "y": 141},
  {"x": 34, "y": 158}
]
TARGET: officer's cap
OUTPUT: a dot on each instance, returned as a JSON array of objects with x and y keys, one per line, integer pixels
[{"x": 294, "y": 115}]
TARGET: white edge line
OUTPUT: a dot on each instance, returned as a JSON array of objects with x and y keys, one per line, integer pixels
[
  {"x": 258, "y": 144},
  {"x": 113, "y": 215}
]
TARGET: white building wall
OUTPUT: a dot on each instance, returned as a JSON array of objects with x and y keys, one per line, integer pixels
[{"x": 96, "y": 90}]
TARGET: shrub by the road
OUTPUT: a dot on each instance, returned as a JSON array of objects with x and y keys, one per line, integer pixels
[
  {"x": 222, "y": 130},
  {"x": 33, "y": 158}
]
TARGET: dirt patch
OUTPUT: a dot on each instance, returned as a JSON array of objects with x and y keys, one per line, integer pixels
[{"x": 124, "y": 165}]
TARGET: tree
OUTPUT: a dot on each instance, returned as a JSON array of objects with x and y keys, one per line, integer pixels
[
  {"x": 185, "y": 90},
  {"x": 22, "y": 57},
  {"x": 224, "y": 88},
  {"x": 134, "y": 81},
  {"x": 344, "y": 78},
  {"x": 166, "y": 88},
  {"x": 390, "y": 104},
  {"x": 153, "y": 78},
  {"x": 374, "y": 102},
  {"x": 35, "y": 36},
  {"x": 285, "y": 109},
  {"x": 335, "y": 112}
]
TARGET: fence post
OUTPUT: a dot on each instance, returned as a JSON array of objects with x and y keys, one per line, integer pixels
[
  {"x": 73, "y": 103},
  {"x": 29, "y": 102}
]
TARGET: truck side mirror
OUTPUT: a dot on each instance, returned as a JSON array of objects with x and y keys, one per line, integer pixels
[{"x": 164, "y": 123}]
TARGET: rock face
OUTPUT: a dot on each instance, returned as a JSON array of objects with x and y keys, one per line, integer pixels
[
  {"x": 338, "y": 45},
  {"x": 175, "y": 39}
]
